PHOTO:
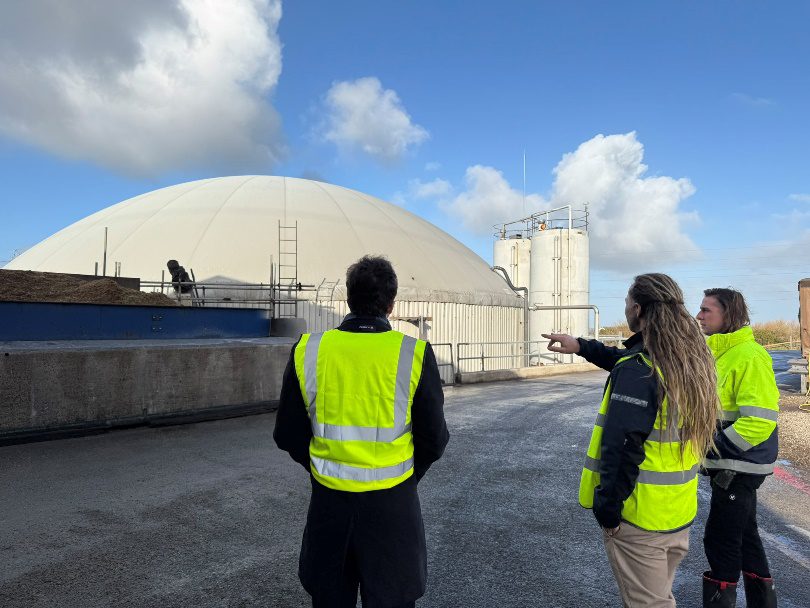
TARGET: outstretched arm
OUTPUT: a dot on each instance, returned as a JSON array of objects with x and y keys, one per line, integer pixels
[{"x": 591, "y": 350}]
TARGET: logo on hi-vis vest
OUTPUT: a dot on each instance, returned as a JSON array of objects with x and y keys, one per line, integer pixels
[{"x": 628, "y": 399}]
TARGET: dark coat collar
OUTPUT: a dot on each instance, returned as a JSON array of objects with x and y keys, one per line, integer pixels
[
  {"x": 634, "y": 343},
  {"x": 364, "y": 324}
]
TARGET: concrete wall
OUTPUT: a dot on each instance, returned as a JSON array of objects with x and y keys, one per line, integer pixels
[
  {"x": 82, "y": 385},
  {"x": 540, "y": 371}
]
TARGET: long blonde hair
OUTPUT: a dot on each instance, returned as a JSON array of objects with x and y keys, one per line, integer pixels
[{"x": 676, "y": 345}]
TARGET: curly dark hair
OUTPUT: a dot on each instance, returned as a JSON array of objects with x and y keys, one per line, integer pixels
[
  {"x": 371, "y": 286},
  {"x": 735, "y": 310}
]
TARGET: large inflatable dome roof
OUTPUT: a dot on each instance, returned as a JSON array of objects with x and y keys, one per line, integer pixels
[{"x": 227, "y": 228}]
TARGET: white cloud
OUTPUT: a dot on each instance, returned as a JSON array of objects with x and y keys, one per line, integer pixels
[
  {"x": 750, "y": 100},
  {"x": 488, "y": 199},
  {"x": 433, "y": 166},
  {"x": 436, "y": 188},
  {"x": 363, "y": 116},
  {"x": 143, "y": 87},
  {"x": 795, "y": 217},
  {"x": 635, "y": 220},
  {"x": 800, "y": 198}
]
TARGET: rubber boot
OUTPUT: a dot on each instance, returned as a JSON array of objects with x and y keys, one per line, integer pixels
[
  {"x": 718, "y": 594},
  {"x": 760, "y": 592}
]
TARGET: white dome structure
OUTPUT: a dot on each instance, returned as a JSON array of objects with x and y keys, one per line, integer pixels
[{"x": 227, "y": 229}]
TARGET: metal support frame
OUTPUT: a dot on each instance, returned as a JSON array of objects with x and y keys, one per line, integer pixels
[
  {"x": 592, "y": 307},
  {"x": 525, "y": 291}
]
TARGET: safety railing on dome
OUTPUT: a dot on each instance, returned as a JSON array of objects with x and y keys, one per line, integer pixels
[{"x": 228, "y": 295}]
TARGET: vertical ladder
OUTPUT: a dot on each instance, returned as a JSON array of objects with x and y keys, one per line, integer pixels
[{"x": 287, "y": 271}]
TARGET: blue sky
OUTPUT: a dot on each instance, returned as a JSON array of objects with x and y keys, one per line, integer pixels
[{"x": 684, "y": 124}]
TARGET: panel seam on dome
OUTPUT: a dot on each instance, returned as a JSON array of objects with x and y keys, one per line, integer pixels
[
  {"x": 97, "y": 222},
  {"x": 216, "y": 213},
  {"x": 343, "y": 213}
]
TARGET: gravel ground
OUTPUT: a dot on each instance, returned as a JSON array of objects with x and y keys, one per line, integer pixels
[{"x": 794, "y": 429}]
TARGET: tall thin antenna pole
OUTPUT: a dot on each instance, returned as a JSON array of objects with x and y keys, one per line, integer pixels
[
  {"x": 524, "y": 182},
  {"x": 104, "y": 268}
]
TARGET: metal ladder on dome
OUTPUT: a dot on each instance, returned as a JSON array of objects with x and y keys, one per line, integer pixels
[{"x": 287, "y": 307}]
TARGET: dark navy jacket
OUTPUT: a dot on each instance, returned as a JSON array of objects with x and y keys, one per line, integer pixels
[{"x": 626, "y": 426}]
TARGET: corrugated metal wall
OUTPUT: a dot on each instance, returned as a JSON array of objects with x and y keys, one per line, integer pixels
[{"x": 450, "y": 322}]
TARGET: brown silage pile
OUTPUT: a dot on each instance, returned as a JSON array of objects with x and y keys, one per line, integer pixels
[{"x": 30, "y": 286}]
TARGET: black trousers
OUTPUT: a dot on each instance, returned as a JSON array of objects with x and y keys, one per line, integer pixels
[{"x": 732, "y": 542}]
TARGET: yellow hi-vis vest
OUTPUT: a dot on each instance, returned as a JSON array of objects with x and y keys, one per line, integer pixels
[
  {"x": 665, "y": 496},
  {"x": 358, "y": 389}
]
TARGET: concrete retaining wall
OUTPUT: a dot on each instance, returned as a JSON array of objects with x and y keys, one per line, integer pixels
[
  {"x": 524, "y": 372},
  {"x": 57, "y": 387}
]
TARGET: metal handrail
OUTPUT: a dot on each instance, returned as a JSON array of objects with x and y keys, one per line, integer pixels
[
  {"x": 592, "y": 307},
  {"x": 451, "y": 364},
  {"x": 797, "y": 342},
  {"x": 525, "y": 356}
]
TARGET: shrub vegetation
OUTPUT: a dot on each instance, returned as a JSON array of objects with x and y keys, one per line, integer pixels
[{"x": 770, "y": 332}]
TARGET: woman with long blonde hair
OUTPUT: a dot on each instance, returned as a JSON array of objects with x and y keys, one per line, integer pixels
[{"x": 655, "y": 423}]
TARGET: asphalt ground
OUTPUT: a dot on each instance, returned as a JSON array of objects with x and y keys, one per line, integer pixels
[{"x": 211, "y": 514}]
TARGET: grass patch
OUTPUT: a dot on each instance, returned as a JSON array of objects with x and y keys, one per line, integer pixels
[{"x": 777, "y": 332}]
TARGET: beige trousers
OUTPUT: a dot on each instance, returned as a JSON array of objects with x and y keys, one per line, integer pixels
[{"x": 644, "y": 564}]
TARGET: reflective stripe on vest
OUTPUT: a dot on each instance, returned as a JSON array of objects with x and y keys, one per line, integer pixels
[
  {"x": 359, "y": 409},
  {"x": 749, "y": 410},
  {"x": 361, "y": 433},
  {"x": 665, "y": 495}
]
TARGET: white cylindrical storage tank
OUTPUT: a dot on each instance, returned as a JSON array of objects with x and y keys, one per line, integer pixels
[
  {"x": 559, "y": 277},
  {"x": 514, "y": 255}
]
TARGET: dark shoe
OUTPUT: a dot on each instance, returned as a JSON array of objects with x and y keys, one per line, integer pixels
[
  {"x": 718, "y": 594},
  {"x": 759, "y": 591}
]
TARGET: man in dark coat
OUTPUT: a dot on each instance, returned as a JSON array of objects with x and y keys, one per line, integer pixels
[
  {"x": 180, "y": 280},
  {"x": 373, "y": 539}
]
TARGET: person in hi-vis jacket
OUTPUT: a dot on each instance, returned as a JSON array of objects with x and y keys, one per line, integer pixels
[
  {"x": 361, "y": 409},
  {"x": 655, "y": 422},
  {"x": 747, "y": 445}
]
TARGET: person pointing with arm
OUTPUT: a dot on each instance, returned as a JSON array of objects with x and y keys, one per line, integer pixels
[{"x": 655, "y": 422}]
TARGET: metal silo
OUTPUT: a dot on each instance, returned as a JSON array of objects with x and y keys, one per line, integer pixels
[
  {"x": 513, "y": 254},
  {"x": 556, "y": 244},
  {"x": 559, "y": 277}
]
